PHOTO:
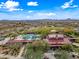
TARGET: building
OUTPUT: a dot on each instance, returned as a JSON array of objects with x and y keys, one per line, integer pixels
[
  {"x": 25, "y": 38},
  {"x": 57, "y": 39}
]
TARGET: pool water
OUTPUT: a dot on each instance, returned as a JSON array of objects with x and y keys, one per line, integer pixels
[{"x": 31, "y": 37}]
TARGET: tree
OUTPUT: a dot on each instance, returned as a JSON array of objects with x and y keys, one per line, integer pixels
[
  {"x": 67, "y": 47},
  {"x": 36, "y": 50},
  {"x": 62, "y": 55}
]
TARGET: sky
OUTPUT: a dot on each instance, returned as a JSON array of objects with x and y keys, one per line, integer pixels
[{"x": 38, "y": 9}]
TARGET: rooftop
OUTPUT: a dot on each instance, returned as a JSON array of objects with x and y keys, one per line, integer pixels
[
  {"x": 56, "y": 36},
  {"x": 57, "y": 39}
]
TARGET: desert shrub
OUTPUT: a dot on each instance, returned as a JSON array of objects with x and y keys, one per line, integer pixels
[{"x": 36, "y": 50}]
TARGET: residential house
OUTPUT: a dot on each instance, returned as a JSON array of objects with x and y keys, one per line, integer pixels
[
  {"x": 57, "y": 39},
  {"x": 25, "y": 38}
]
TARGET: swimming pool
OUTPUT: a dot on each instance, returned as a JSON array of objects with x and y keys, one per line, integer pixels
[{"x": 31, "y": 37}]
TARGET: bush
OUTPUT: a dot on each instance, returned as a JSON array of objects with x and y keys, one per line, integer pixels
[
  {"x": 36, "y": 50},
  {"x": 63, "y": 55},
  {"x": 67, "y": 47}
]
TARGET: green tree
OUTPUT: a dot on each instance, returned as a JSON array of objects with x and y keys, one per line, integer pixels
[
  {"x": 62, "y": 55},
  {"x": 36, "y": 50},
  {"x": 67, "y": 47}
]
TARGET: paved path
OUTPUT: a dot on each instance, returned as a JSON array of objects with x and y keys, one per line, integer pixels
[{"x": 21, "y": 51}]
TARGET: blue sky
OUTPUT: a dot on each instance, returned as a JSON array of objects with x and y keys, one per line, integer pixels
[{"x": 39, "y": 9}]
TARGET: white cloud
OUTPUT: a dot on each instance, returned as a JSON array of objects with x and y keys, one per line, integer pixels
[
  {"x": 32, "y": 4},
  {"x": 46, "y": 14},
  {"x": 10, "y": 5},
  {"x": 28, "y": 17},
  {"x": 75, "y": 6},
  {"x": 30, "y": 11},
  {"x": 69, "y": 5},
  {"x": 15, "y": 9},
  {"x": 40, "y": 15}
]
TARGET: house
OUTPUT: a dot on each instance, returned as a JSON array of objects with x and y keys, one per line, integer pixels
[
  {"x": 57, "y": 39},
  {"x": 25, "y": 38}
]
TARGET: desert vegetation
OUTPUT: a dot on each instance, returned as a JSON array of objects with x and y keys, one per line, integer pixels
[{"x": 36, "y": 49}]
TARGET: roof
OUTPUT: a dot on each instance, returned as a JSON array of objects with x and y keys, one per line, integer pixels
[
  {"x": 55, "y": 36},
  {"x": 19, "y": 41},
  {"x": 57, "y": 39},
  {"x": 52, "y": 35}
]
